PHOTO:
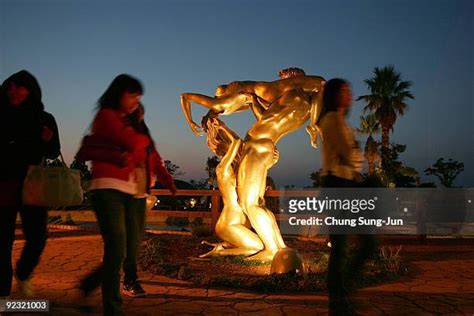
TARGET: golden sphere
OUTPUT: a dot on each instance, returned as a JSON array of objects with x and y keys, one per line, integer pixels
[
  {"x": 287, "y": 260},
  {"x": 150, "y": 202}
]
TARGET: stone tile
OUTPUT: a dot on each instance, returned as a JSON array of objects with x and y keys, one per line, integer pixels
[
  {"x": 217, "y": 293},
  {"x": 182, "y": 307},
  {"x": 272, "y": 311},
  {"x": 442, "y": 286},
  {"x": 302, "y": 310},
  {"x": 251, "y": 306},
  {"x": 218, "y": 311},
  {"x": 188, "y": 292},
  {"x": 245, "y": 296}
]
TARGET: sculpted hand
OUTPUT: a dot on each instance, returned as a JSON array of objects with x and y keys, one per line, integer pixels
[
  {"x": 313, "y": 132},
  {"x": 276, "y": 156},
  {"x": 248, "y": 98},
  {"x": 197, "y": 130}
]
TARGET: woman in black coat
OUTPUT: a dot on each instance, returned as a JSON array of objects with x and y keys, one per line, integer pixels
[{"x": 28, "y": 135}]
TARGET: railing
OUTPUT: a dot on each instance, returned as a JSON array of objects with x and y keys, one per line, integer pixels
[
  {"x": 418, "y": 213},
  {"x": 216, "y": 202}
]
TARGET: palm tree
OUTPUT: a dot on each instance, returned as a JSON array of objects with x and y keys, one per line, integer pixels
[
  {"x": 388, "y": 94},
  {"x": 370, "y": 126}
]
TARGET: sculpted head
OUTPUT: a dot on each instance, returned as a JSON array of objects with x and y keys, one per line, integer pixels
[
  {"x": 220, "y": 90},
  {"x": 291, "y": 72}
]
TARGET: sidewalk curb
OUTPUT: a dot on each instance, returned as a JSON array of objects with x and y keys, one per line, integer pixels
[{"x": 94, "y": 229}]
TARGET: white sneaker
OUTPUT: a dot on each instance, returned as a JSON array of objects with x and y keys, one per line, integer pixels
[
  {"x": 2, "y": 306},
  {"x": 25, "y": 286}
]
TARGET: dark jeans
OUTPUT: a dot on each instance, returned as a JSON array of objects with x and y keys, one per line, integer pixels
[
  {"x": 344, "y": 267},
  {"x": 34, "y": 221},
  {"x": 121, "y": 220}
]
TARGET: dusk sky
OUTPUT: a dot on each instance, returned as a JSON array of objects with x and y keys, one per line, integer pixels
[{"x": 76, "y": 48}]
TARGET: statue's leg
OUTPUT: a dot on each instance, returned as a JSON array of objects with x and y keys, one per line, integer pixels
[
  {"x": 275, "y": 228},
  {"x": 220, "y": 250},
  {"x": 278, "y": 237},
  {"x": 231, "y": 224},
  {"x": 231, "y": 228},
  {"x": 238, "y": 239},
  {"x": 258, "y": 155},
  {"x": 315, "y": 111}
]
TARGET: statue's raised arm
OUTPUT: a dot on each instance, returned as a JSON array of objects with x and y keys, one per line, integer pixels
[
  {"x": 224, "y": 105},
  {"x": 237, "y": 95}
]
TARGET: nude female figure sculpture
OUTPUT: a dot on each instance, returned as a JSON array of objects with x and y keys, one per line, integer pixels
[{"x": 242, "y": 172}]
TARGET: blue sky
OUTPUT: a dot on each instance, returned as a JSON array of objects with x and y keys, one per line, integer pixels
[{"x": 75, "y": 49}]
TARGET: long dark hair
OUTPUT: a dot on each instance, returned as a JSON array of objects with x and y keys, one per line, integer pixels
[
  {"x": 331, "y": 95},
  {"x": 136, "y": 122},
  {"x": 139, "y": 124},
  {"x": 24, "y": 79},
  {"x": 121, "y": 84}
]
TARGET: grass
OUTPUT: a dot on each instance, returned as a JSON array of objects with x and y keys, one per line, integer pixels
[
  {"x": 168, "y": 255},
  {"x": 240, "y": 260}
]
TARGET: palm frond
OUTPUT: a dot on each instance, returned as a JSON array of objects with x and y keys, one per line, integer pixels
[{"x": 387, "y": 96}]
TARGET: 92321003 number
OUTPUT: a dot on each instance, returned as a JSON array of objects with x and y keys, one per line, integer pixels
[{"x": 24, "y": 305}]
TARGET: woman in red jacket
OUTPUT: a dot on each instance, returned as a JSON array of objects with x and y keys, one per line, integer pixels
[
  {"x": 114, "y": 186},
  {"x": 149, "y": 166}
]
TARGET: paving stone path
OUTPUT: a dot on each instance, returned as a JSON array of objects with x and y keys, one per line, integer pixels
[{"x": 444, "y": 286}]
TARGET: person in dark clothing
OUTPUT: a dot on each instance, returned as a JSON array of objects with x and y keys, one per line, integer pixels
[
  {"x": 28, "y": 135},
  {"x": 342, "y": 164}
]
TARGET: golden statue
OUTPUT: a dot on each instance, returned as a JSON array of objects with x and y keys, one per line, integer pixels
[
  {"x": 233, "y": 226},
  {"x": 238, "y": 95},
  {"x": 280, "y": 108}
]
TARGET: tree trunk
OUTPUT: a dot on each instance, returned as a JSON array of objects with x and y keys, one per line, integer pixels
[
  {"x": 385, "y": 137},
  {"x": 371, "y": 154},
  {"x": 371, "y": 167},
  {"x": 385, "y": 146}
]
